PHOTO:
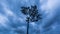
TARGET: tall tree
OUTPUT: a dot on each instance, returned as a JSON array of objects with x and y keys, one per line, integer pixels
[{"x": 32, "y": 14}]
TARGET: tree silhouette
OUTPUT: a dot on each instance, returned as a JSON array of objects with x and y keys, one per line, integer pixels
[{"x": 32, "y": 14}]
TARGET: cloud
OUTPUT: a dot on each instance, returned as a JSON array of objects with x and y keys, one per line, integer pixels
[
  {"x": 8, "y": 12},
  {"x": 6, "y": 9},
  {"x": 49, "y": 5},
  {"x": 3, "y": 20},
  {"x": 33, "y": 24},
  {"x": 48, "y": 9}
]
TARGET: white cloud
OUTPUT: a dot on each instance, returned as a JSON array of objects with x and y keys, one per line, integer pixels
[
  {"x": 7, "y": 11},
  {"x": 49, "y": 11},
  {"x": 33, "y": 23},
  {"x": 48, "y": 8},
  {"x": 52, "y": 3},
  {"x": 49, "y": 5},
  {"x": 3, "y": 20},
  {"x": 10, "y": 13}
]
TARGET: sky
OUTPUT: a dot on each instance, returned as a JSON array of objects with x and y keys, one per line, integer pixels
[{"x": 12, "y": 21}]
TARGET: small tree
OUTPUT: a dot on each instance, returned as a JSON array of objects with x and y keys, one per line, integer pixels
[{"x": 32, "y": 14}]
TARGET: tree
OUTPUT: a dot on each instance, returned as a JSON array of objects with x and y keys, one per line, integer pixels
[{"x": 31, "y": 13}]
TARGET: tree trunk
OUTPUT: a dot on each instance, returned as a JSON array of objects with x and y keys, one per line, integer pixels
[
  {"x": 28, "y": 25},
  {"x": 28, "y": 28}
]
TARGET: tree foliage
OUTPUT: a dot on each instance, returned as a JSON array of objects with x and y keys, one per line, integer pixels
[{"x": 32, "y": 12}]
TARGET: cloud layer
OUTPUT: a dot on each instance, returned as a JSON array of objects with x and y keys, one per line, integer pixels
[{"x": 13, "y": 21}]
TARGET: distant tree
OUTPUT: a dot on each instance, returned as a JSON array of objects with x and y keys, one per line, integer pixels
[{"x": 32, "y": 14}]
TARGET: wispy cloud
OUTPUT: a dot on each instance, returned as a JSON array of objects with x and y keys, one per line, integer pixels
[
  {"x": 6, "y": 9},
  {"x": 9, "y": 13},
  {"x": 3, "y": 20},
  {"x": 49, "y": 5},
  {"x": 49, "y": 8}
]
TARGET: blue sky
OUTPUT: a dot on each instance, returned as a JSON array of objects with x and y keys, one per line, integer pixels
[{"x": 12, "y": 21}]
